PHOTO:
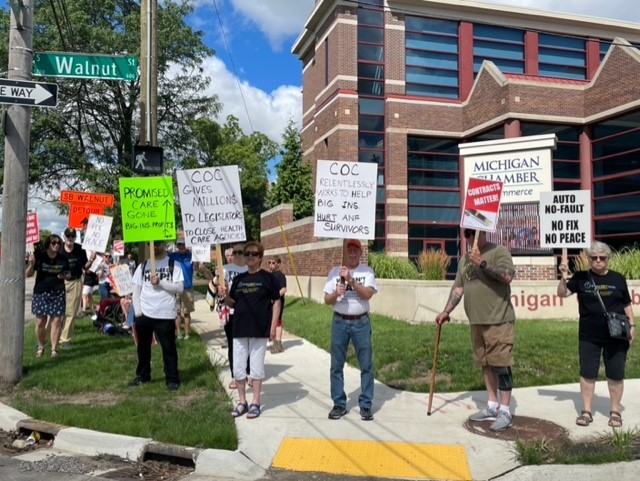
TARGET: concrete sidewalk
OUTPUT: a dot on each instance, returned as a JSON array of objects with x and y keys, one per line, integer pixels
[{"x": 296, "y": 401}]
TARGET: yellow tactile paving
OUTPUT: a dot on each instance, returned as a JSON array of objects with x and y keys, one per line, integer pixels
[{"x": 376, "y": 459}]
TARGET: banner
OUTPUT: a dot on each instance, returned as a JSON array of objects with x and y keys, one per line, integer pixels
[
  {"x": 481, "y": 204},
  {"x": 345, "y": 199},
  {"x": 97, "y": 234},
  {"x": 211, "y": 204}
]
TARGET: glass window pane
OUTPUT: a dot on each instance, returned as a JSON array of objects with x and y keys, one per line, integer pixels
[
  {"x": 370, "y": 87},
  {"x": 621, "y": 185},
  {"x": 374, "y": 156},
  {"x": 434, "y": 43},
  {"x": 432, "y": 91},
  {"x": 566, "y": 170},
  {"x": 370, "y": 17},
  {"x": 431, "y": 76},
  {"x": 562, "y": 71},
  {"x": 419, "y": 144},
  {"x": 434, "y": 197},
  {"x": 433, "y": 179},
  {"x": 372, "y": 53},
  {"x": 506, "y": 66},
  {"x": 617, "y": 125},
  {"x": 420, "y": 58},
  {"x": 619, "y": 205},
  {"x": 419, "y": 24},
  {"x": 616, "y": 226},
  {"x": 493, "y": 50},
  {"x": 561, "y": 41},
  {"x": 370, "y": 141},
  {"x": 433, "y": 162},
  {"x": 372, "y": 71},
  {"x": 498, "y": 33},
  {"x": 371, "y": 123},
  {"x": 434, "y": 214},
  {"x": 370, "y": 35},
  {"x": 563, "y": 132},
  {"x": 371, "y": 106}
]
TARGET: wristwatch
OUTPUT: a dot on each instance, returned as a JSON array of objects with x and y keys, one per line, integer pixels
[{"x": 483, "y": 264}]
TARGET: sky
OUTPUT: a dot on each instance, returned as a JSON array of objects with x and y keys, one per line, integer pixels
[{"x": 258, "y": 80}]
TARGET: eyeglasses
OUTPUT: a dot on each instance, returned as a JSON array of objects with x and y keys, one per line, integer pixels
[
  {"x": 238, "y": 253},
  {"x": 599, "y": 258},
  {"x": 251, "y": 254},
  {"x": 54, "y": 243}
]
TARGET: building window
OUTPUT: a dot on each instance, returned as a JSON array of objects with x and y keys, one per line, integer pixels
[
  {"x": 431, "y": 58},
  {"x": 503, "y": 46},
  {"x": 562, "y": 56}
]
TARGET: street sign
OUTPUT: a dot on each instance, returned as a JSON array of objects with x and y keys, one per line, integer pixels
[
  {"x": 72, "y": 197},
  {"x": 81, "y": 65},
  {"x": 28, "y": 93},
  {"x": 147, "y": 159},
  {"x": 79, "y": 214}
]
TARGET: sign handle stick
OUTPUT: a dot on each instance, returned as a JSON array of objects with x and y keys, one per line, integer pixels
[
  {"x": 565, "y": 256},
  {"x": 433, "y": 370},
  {"x": 293, "y": 264},
  {"x": 152, "y": 258},
  {"x": 219, "y": 265},
  {"x": 475, "y": 239}
]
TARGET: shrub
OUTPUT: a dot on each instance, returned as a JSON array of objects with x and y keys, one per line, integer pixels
[
  {"x": 627, "y": 262},
  {"x": 388, "y": 267},
  {"x": 433, "y": 264}
]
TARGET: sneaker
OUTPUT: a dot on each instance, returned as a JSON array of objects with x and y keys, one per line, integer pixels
[
  {"x": 186, "y": 337},
  {"x": 179, "y": 337},
  {"x": 503, "y": 421},
  {"x": 173, "y": 386},
  {"x": 485, "y": 414},
  {"x": 366, "y": 414},
  {"x": 337, "y": 412},
  {"x": 138, "y": 381}
]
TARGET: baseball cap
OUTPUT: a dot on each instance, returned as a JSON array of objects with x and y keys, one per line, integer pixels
[
  {"x": 69, "y": 232},
  {"x": 354, "y": 243}
]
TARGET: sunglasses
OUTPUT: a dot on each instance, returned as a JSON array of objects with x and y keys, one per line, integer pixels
[
  {"x": 238, "y": 253},
  {"x": 251, "y": 254},
  {"x": 55, "y": 243},
  {"x": 272, "y": 262},
  {"x": 599, "y": 258}
]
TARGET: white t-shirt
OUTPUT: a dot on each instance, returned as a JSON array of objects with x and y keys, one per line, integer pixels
[
  {"x": 154, "y": 300},
  {"x": 351, "y": 304}
]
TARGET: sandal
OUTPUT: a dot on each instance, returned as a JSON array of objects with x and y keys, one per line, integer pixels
[
  {"x": 40, "y": 351},
  {"x": 615, "y": 419},
  {"x": 233, "y": 385},
  {"x": 584, "y": 419},
  {"x": 240, "y": 409},
  {"x": 254, "y": 411},
  {"x": 54, "y": 353}
]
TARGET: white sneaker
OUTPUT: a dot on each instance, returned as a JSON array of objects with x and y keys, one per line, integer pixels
[
  {"x": 186, "y": 336},
  {"x": 503, "y": 421}
]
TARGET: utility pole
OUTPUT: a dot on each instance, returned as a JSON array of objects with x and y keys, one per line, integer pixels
[{"x": 17, "y": 130}]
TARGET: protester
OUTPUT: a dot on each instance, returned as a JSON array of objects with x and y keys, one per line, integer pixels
[
  {"x": 274, "y": 267},
  {"x": 185, "y": 300},
  {"x": 348, "y": 289},
  {"x": 78, "y": 264},
  {"x": 48, "y": 302},
  {"x": 594, "y": 341},
  {"x": 154, "y": 303},
  {"x": 484, "y": 277},
  {"x": 89, "y": 284},
  {"x": 255, "y": 298},
  {"x": 104, "y": 271}
]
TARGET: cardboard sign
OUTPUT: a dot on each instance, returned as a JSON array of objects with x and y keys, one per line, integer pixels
[
  {"x": 118, "y": 247},
  {"x": 147, "y": 207},
  {"x": 201, "y": 253},
  {"x": 481, "y": 204},
  {"x": 122, "y": 280},
  {"x": 211, "y": 203},
  {"x": 33, "y": 230},
  {"x": 345, "y": 199},
  {"x": 97, "y": 234},
  {"x": 565, "y": 219}
]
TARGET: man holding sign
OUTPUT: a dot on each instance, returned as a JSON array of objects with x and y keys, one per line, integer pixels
[{"x": 484, "y": 277}]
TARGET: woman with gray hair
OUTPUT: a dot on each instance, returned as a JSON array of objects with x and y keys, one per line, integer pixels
[{"x": 594, "y": 341}]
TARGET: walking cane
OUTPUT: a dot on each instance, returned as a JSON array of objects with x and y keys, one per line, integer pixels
[{"x": 433, "y": 369}]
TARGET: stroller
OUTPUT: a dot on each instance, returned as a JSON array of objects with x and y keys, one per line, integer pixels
[{"x": 110, "y": 318}]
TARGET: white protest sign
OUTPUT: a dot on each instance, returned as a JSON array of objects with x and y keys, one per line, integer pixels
[
  {"x": 96, "y": 236},
  {"x": 211, "y": 203},
  {"x": 95, "y": 265},
  {"x": 201, "y": 253},
  {"x": 122, "y": 279},
  {"x": 345, "y": 200},
  {"x": 565, "y": 219}
]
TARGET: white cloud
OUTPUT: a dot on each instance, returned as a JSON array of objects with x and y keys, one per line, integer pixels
[{"x": 612, "y": 9}]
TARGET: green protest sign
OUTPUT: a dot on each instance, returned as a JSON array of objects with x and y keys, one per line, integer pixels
[{"x": 147, "y": 206}]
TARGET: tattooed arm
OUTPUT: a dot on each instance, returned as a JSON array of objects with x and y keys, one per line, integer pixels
[
  {"x": 499, "y": 273},
  {"x": 454, "y": 299}
]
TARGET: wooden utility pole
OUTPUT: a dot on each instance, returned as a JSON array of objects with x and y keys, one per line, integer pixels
[{"x": 17, "y": 128}]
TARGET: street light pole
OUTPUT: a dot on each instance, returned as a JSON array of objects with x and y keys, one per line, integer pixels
[{"x": 17, "y": 129}]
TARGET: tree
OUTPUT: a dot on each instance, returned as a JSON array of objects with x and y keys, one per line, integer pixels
[
  {"x": 87, "y": 142},
  {"x": 293, "y": 185}
]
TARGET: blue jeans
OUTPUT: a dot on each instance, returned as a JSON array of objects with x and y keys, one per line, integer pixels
[{"x": 358, "y": 332}]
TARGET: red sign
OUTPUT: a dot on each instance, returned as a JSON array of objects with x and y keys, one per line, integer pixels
[
  {"x": 482, "y": 204},
  {"x": 33, "y": 230},
  {"x": 71, "y": 197},
  {"x": 118, "y": 247},
  {"x": 79, "y": 214}
]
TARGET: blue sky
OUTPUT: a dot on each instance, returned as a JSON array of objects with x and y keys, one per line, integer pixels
[{"x": 260, "y": 34}]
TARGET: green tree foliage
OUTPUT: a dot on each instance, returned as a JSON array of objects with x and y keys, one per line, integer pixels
[
  {"x": 86, "y": 143},
  {"x": 293, "y": 185}
]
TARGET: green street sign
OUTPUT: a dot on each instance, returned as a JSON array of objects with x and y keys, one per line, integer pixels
[
  {"x": 80, "y": 65},
  {"x": 147, "y": 205}
]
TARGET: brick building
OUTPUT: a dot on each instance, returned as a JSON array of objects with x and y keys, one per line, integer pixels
[{"x": 402, "y": 83}]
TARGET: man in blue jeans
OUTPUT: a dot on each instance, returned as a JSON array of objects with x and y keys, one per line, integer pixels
[{"x": 348, "y": 290}]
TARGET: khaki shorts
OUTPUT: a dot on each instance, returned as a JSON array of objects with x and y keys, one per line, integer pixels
[
  {"x": 493, "y": 344},
  {"x": 184, "y": 302}
]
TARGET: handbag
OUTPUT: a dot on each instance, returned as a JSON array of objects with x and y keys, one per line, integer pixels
[{"x": 619, "y": 326}]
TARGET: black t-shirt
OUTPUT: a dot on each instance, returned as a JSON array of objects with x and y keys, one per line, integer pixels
[
  {"x": 254, "y": 295},
  {"x": 48, "y": 270},
  {"x": 614, "y": 292},
  {"x": 282, "y": 282},
  {"x": 77, "y": 260},
  {"x": 90, "y": 279}
]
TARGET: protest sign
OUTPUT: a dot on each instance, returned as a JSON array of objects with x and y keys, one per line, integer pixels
[
  {"x": 95, "y": 265},
  {"x": 122, "y": 280},
  {"x": 565, "y": 219},
  {"x": 481, "y": 204},
  {"x": 118, "y": 247},
  {"x": 201, "y": 253},
  {"x": 96, "y": 236},
  {"x": 147, "y": 207},
  {"x": 33, "y": 230},
  {"x": 211, "y": 203},
  {"x": 345, "y": 200}
]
